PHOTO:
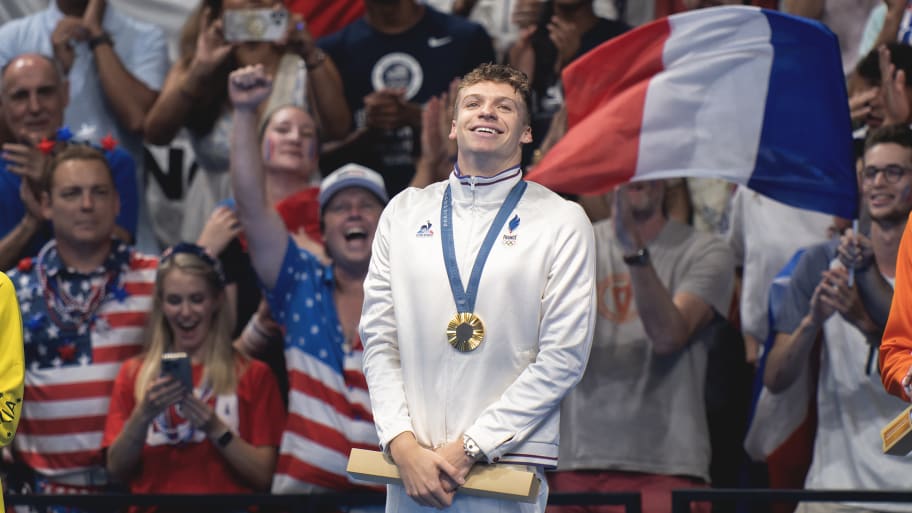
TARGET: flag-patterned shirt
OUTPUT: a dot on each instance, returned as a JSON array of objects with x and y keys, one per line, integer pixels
[
  {"x": 328, "y": 405},
  {"x": 79, "y": 328}
]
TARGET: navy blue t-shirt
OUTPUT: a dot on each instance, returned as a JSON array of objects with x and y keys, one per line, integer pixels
[{"x": 422, "y": 61}]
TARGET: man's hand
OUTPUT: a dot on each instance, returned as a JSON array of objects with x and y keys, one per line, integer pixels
[
  {"x": 66, "y": 34},
  {"x": 222, "y": 226},
  {"x": 624, "y": 224},
  {"x": 93, "y": 16},
  {"x": 26, "y": 161},
  {"x": 423, "y": 472},
  {"x": 387, "y": 109},
  {"x": 855, "y": 250},
  {"x": 830, "y": 295},
  {"x": 864, "y": 106},
  {"x": 248, "y": 87},
  {"x": 454, "y": 453},
  {"x": 566, "y": 38}
]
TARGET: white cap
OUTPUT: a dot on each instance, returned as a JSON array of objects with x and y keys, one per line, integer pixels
[{"x": 352, "y": 175}]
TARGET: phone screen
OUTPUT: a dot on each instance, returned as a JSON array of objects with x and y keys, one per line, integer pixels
[{"x": 177, "y": 365}]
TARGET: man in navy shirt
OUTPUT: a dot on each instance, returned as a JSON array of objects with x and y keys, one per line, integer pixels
[{"x": 392, "y": 60}]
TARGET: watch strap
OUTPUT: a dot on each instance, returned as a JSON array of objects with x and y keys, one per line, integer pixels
[
  {"x": 225, "y": 439},
  {"x": 639, "y": 258},
  {"x": 471, "y": 449},
  {"x": 103, "y": 39}
]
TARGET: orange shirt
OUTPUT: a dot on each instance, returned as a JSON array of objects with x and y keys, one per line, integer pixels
[{"x": 896, "y": 347}]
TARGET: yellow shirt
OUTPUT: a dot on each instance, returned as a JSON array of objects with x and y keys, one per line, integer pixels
[{"x": 12, "y": 364}]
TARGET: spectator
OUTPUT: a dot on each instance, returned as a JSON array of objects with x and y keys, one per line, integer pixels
[
  {"x": 12, "y": 363},
  {"x": 318, "y": 304},
  {"x": 454, "y": 381},
  {"x": 552, "y": 35},
  {"x": 661, "y": 285},
  {"x": 392, "y": 60},
  {"x": 33, "y": 96},
  {"x": 195, "y": 96},
  {"x": 764, "y": 234},
  {"x": 290, "y": 165},
  {"x": 86, "y": 298},
  {"x": 221, "y": 435},
  {"x": 851, "y": 404},
  {"x": 115, "y": 65}
]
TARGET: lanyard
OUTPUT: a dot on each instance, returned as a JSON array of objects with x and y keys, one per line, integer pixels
[{"x": 465, "y": 298}]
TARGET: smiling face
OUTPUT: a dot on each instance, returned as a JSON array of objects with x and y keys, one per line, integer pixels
[
  {"x": 189, "y": 305},
  {"x": 491, "y": 124},
  {"x": 82, "y": 203},
  {"x": 349, "y": 222},
  {"x": 290, "y": 142},
  {"x": 888, "y": 202},
  {"x": 33, "y": 98}
]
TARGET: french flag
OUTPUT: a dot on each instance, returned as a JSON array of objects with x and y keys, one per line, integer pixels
[{"x": 740, "y": 93}]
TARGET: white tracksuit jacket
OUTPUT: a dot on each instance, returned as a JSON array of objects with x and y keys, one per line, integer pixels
[{"x": 536, "y": 298}]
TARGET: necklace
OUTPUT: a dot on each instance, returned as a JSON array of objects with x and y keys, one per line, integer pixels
[{"x": 67, "y": 310}]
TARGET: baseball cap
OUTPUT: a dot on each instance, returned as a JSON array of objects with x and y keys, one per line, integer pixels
[{"x": 352, "y": 175}]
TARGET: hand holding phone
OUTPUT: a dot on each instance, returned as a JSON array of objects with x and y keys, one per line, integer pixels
[{"x": 177, "y": 365}]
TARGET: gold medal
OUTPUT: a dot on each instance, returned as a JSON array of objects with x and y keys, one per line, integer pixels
[{"x": 465, "y": 332}]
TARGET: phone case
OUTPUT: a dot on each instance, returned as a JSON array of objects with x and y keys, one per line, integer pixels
[
  {"x": 178, "y": 366},
  {"x": 255, "y": 24}
]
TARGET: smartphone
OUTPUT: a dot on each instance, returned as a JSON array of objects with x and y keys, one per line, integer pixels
[
  {"x": 255, "y": 24},
  {"x": 177, "y": 365}
]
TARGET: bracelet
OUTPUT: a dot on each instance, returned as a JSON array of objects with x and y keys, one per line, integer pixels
[
  {"x": 103, "y": 39},
  {"x": 320, "y": 57}
]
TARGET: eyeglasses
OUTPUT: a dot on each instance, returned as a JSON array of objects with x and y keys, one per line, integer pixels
[{"x": 891, "y": 173}]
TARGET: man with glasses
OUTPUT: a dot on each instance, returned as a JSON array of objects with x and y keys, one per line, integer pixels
[{"x": 853, "y": 277}]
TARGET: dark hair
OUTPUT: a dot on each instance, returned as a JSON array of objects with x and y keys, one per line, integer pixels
[
  {"x": 503, "y": 74},
  {"x": 895, "y": 134},
  {"x": 868, "y": 68},
  {"x": 73, "y": 152}
]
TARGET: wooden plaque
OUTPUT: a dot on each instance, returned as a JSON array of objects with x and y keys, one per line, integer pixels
[{"x": 497, "y": 481}]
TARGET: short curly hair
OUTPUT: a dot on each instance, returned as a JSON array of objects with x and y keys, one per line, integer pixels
[{"x": 501, "y": 74}]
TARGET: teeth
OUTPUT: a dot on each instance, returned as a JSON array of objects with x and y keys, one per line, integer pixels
[
  {"x": 355, "y": 231},
  {"x": 486, "y": 130}
]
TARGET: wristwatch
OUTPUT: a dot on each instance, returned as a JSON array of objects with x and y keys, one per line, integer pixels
[
  {"x": 639, "y": 258},
  {"x": 103, "y": 39},
  {"x": 471, "y": 449},
  {"x": 225, "y": 439}
]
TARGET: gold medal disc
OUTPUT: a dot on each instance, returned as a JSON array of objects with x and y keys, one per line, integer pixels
[{"x": 465, "y": 332}]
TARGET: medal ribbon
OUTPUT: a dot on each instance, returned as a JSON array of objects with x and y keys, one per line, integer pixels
[{"x": 465, "y": 298}]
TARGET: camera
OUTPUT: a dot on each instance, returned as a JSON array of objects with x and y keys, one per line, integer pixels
[{"x": 255, "y": 24}]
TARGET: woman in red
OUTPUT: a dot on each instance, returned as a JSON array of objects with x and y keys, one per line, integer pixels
[{"x": 221, "y": 436}]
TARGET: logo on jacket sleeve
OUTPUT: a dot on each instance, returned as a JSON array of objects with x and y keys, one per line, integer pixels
[
  {"x": 509, "y": 238},
  {"x": 425, "y": 230}
]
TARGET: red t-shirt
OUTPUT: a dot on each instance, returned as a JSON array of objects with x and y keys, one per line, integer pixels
[
  {"x": 256, "y": 414},
  {"x": 324, "y": 17}
]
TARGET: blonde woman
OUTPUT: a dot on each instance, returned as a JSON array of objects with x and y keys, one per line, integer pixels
[{"x": 221, "y": 436}]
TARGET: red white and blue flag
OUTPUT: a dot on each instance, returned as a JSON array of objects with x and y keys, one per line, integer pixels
[{"x": 739, "y": 93}]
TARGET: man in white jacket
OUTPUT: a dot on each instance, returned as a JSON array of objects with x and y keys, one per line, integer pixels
[{"x": 478, "y": 309}]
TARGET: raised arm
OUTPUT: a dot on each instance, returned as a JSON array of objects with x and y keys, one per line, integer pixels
[
  {"x": 129, "y": 97},
  {"x": 267, "y": 237},
  {"x": 186, "y": 84}
]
